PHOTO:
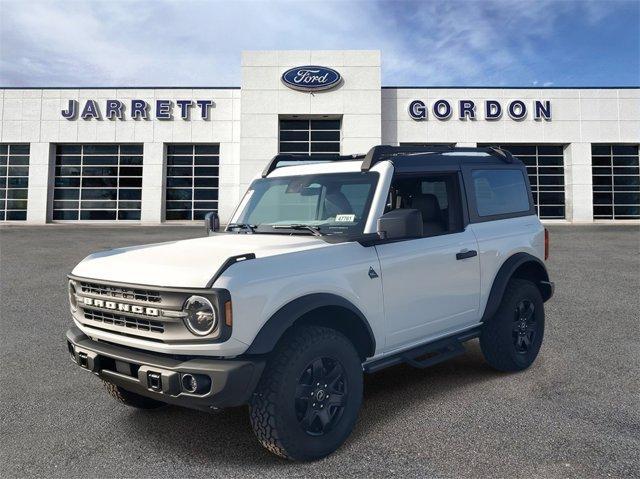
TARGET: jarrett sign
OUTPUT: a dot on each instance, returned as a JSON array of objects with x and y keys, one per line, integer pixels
[
  {"x": 137, "y": 109},
  {"x": 490, "y": 110}
]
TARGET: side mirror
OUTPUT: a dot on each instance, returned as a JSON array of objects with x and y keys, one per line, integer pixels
[
  {"x": 212, "y": 222},
  {"x": 399, "y": 224}
]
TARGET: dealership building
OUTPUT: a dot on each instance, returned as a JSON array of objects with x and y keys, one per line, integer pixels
[{"x": 153, "y": 155}]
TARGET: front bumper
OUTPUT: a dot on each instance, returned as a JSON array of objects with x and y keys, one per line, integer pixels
[{"x": 160, "y": 376}]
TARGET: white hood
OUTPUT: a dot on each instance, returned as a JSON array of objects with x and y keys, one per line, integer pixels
[{"x": 188, "y": 263}]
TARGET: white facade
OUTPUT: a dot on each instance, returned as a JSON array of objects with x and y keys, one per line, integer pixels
[{"x": 245, "y": 124}]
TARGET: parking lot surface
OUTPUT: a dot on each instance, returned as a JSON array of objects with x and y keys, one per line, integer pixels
[{"x": 574, "y": 413}]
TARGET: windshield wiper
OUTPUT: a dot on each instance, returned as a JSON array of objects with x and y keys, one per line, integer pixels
[
  {"x": 243, "y": 226},
  {"x": 314, "y": 229}
]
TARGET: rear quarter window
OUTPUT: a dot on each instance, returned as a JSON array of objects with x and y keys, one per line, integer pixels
[{"x": 500, "y": 192}]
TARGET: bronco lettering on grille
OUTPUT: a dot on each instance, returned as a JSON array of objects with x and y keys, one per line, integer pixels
[{"x": 128, "y": 308}]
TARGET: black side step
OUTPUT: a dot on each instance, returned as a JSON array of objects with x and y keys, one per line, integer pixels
[
  {"x": 430, "y": 357},
  {"x": 426, "y": 355}
]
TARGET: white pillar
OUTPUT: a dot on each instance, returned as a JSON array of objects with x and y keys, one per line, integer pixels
[
  {"x": 229, "y": 191},
  {"x": 153, "y": 182},
  {"x": 578, "y": 183},
  {"x": 41, "y": 174}
]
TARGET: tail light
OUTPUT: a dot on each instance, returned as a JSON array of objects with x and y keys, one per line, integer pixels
[{"x": 546, "y": 244}]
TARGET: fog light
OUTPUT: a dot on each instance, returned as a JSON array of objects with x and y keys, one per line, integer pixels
[
  {"x": 195, "y": 383},
  {"x": 189, "y": 383}
]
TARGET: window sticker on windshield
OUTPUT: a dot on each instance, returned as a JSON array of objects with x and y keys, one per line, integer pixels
[{"x": 345, "y": 218}]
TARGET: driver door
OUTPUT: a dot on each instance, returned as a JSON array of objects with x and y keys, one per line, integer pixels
[{"x": 431, "y": 285}]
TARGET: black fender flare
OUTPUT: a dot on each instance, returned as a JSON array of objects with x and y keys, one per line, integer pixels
[
  {"x": 505, "y": 273},
  {"x": 286, "y": 316}
]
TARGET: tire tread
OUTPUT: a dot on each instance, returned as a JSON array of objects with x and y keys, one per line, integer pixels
[{"x": 263, "y": 404}]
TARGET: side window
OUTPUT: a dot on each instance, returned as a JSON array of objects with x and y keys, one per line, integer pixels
[
  {"x": 437, "y": 197},
  {"x": 499, "y": 192}
]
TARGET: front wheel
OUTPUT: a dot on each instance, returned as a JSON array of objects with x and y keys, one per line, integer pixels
[
  {"x": 308, "y": 399},
  {"x": 511, "y": 339}
]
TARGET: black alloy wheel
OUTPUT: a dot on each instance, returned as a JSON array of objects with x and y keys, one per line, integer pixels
[
  {"x": 309, "y": 395},
  {"x": 511, "y": 339},
  {"x": 524, "y": 326},
  {"x": 320, "y": 396}
]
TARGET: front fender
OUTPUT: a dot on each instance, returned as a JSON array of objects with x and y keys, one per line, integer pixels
[{"x": 285, "y": 317}]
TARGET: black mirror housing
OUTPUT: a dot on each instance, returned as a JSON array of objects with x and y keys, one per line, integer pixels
[
  {"x": 212, "y": 222},
  {"x": 399, "y": 224}
]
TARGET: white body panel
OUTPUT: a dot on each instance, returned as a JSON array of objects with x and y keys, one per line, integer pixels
[
  {"x": 501, "y": 239},
  {"x": 427, "y": 291},
  {"x": 261, "y": 287},
  {"x": 188, "y": 263}
]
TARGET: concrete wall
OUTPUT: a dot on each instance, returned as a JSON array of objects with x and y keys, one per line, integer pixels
[
  {"x": 265, "y": 98},
  {"x": 579, "y": 117},
  {"x": 34, "y": 116}
]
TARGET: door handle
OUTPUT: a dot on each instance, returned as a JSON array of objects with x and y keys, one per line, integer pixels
[{"x": 466, "y": 254}]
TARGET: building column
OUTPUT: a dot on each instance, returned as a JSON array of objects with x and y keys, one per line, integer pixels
[
  {"x": 578, "y": 183},
  {"x": 153, "y": 182},
  {"x": 41, "y": 175},
  {"x": 229, "y": 189}
]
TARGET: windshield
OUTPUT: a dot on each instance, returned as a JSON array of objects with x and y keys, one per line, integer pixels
[{"x": 330, "y": 203}]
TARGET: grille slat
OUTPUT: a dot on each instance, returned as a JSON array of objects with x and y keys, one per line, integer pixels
[
  {"x": 135, "y": 294},
  {"x": 124, "y": 321}
]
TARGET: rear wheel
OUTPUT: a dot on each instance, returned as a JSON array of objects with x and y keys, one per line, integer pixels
[
  {"x": 511, "y": 339},
  {"x": 131, "y": 399},
  {"x": 309, "y": 396}
]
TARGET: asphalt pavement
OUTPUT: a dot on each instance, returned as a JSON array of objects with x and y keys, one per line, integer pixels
[{"x": 574, "y": 413}]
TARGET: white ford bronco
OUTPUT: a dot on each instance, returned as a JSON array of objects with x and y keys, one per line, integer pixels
[{"x": 330, "y": 267}]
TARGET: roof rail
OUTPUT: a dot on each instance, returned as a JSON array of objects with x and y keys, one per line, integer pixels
[
  {"x": 384, "y": 152},
  {"x": 294, "y": 158}
]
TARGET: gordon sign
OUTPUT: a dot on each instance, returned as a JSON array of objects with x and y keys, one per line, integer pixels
[
  {"x": 491, "y": 109},
  {"x": 138, "y": 109},
  {"x": 311, "y": 78}
]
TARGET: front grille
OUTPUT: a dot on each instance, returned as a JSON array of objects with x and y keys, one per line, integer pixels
[
  {"x": 126, "y": 321},
  {"x": 136, "y": 294}
]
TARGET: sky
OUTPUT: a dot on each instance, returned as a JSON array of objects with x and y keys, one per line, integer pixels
[{"x": 428, "y": 43}]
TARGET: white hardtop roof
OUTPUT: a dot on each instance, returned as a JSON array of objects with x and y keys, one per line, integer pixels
[{"x": 342, "y": 166}]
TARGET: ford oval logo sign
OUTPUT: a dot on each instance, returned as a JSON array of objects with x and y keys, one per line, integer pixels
[{"x": 311, "y": 78}]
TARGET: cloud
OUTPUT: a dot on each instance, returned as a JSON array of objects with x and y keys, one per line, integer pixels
[{"x": 198, "y": 43}]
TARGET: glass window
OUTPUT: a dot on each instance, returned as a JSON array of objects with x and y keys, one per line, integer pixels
[
  {"x": 98, "y": 182},
  {"x": 436, "y": 196},
  {"x": 545, "y": 169},
  {"x": 192, "y": 181},
  {"x": 14, "y": 182},
  {"x": 500, "y": 192},
  {"x": 310, "y": 137},
  {"x": 616, "y": 181},
  {"x": 336, "y": 203}
]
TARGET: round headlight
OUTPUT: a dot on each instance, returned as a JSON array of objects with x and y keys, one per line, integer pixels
[
  {"x": 201, "y": 317},
  {"x": 73, "y": 300}
]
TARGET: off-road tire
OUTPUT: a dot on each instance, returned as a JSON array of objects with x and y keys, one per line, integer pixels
[
  {"x": 131, "y": 399},
  {"x": 498, "y": 338},
  {"x": 273, "y": 412}
]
